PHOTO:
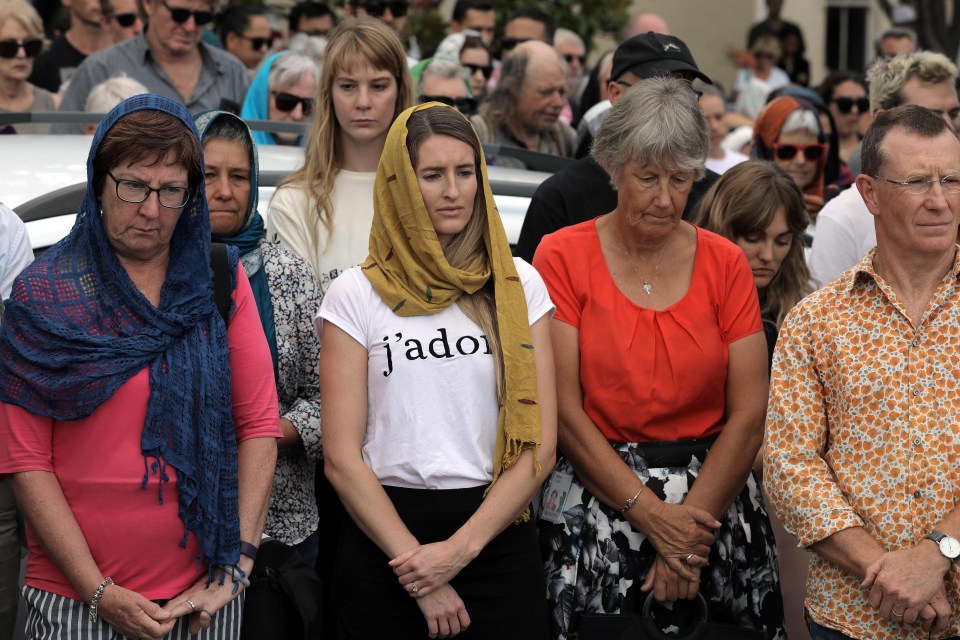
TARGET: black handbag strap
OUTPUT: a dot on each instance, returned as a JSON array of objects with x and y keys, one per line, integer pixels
[{"x": 221, "y": 279}]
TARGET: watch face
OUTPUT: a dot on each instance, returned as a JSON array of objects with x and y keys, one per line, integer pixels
[{"x": 950, "y": 547}]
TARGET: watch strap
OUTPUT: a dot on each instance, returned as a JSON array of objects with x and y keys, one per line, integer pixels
[
  {"x": 248, "y": 550},
  {"x": 937, "y": 536}
]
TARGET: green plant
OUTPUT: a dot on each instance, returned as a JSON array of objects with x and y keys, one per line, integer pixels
[{"x": 429, "y": 27}]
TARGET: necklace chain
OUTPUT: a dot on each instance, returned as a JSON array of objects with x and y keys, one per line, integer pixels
[{"x": 647, "y": 284}]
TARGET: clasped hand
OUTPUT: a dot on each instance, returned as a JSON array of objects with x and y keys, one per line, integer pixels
[
  {"x": 430, "y": 568},
  {"x": 906, "y": 586}
]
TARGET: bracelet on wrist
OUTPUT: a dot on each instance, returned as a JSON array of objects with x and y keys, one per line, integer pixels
[
  {"x": 95, "y": 600},
  {"x": 238, "y": 575},
  {"x": 248, "y": 549},
  {"x": 632, "y": 501}
]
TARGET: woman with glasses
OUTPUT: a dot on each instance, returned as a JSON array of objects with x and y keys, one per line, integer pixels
[
  {"x": 661, "y": 388},
  {"x": 21, "y": 40},
  {"x": 138, "y": 407},
  {"x": 788, "y": 131},
  {"x": 472, "y": 54},
  {"x": 322, "y": 211},
  {"x": 282, "y": 91},
  {"x": 845, "y": 94}
]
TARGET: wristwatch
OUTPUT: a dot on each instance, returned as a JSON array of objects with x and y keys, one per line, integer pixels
[{"x": 949, "y": 546}]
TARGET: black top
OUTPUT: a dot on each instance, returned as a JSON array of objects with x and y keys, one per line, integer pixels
[
  {"x": 56, "y": 65},
  {"x": 577, "y": 193}
]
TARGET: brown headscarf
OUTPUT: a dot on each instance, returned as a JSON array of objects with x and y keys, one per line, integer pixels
[{"x": 767, "y": 130}]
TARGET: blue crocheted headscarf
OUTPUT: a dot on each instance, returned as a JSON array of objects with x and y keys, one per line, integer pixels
[
  {"x": 247, "y": 239},
  {"x": 77, "y": 328}
]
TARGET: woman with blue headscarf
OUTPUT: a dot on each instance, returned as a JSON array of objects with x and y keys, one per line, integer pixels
[
  {"x": 287, "y": 296},
  {"x": 137, "y": 425},
  {"x": 283, "y": 91}
]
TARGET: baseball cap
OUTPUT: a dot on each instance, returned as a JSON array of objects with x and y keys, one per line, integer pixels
[{"x": 654, "y": 54}]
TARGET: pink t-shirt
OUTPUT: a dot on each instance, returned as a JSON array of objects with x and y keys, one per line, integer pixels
[{"x": 132, "y": 537}]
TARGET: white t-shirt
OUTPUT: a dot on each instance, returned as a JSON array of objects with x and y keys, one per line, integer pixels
[
  {"x": 15, "y": 251},
  {"x": 431, "y": 398},
  {"x": 845, "y": 231},
  {"x": 292, "y": 213},
  {"x": 729, "y": 160}
]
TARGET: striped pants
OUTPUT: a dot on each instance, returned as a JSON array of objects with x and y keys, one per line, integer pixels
[{"x": 55, "y": 617}]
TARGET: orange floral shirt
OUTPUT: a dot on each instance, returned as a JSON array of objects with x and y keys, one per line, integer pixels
[{"x": 863, "y": 430}]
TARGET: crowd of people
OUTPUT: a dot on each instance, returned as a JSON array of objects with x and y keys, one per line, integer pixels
[{"x": 373, "y": 378}]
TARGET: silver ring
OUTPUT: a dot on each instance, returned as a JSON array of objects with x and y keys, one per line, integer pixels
[
  {"x": 415, "y": 588},
  {"x": 687, "y": 559},
  {"x": 896, "y": 615},
  {"x": 192, "y": 606}
]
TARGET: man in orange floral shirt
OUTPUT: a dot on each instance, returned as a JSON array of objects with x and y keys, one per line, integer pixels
[{"x": 863, "y": 426}]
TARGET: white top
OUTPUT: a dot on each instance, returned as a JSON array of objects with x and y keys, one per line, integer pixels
[
  {"x": 291, "y": 214},
  {"x": 15, "y": 250},
  {"x": 729, "y": 160},
  {"x": 753, "y": 91},
  {"x": 845, "y": 231},
  {"x": 431, "y": 399}
]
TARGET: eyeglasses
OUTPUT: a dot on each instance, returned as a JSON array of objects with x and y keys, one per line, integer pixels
[
  {"x": 486, "y": 70},
  {"x": 181, "y": 15},
  {"x": 31, "y": 47},
  {"x": 256, "y": 43},
  {"x": 811, "y": 152},
  {"x": 287, "y": 102},
  {"x": 137, "y": 192},
  {"x": 508, "y": 44},
  {"x": 919, "y": 185},
  {"x": 569, "y": 57},
  {"x": 398, "y": 8},
  {"x": 844, "y": 105},
  {"x": 125, "y": 19},
  {"x": 463, "y": 105}
]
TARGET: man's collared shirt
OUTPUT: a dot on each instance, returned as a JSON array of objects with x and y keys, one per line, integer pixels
[
  {"x": 222, "y": 77},
  {"x": 863, "y": 430}
]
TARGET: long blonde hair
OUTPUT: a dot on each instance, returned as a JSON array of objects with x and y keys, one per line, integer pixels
[
  {"x": 467, "y": 249},
  {"x": 355, "y": 44}
]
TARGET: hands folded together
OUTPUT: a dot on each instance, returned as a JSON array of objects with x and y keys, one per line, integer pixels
[{"x": 425, "y": 573}]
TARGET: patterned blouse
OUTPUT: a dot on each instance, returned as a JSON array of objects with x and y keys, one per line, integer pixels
[
  {"x": 863, "y": 430},
  {"x": 296, "y": 298}
]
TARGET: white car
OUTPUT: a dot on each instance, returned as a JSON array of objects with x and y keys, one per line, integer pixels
[{"x": 44, "y": 180}]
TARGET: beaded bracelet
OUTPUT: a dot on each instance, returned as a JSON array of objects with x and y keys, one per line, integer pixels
[
  {"x": 632, "y": 501},
  {"x": 95, "y": 600}
]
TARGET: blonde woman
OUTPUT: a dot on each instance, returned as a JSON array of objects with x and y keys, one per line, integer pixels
[
  {"x": 21, "y": 41},
  {"x": 322, "y": 212}
]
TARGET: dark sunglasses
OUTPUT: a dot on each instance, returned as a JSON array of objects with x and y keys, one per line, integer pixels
[
  {"x": 287, "y": 102},
  {"x": 569, "y": 57},
  {"x": 256, "y": 43},
  {"x": 811, "y": 152},
  {"x": 508, "y": 44},
  {"x": 844, "y": 105},
  {"x": 31, "y": 47},
  {"x": 463, "y": 105},
  {"x": 125, "y": 19},
  {"x": 486, "y": 70},
  {"x": 181, "y": 15},
  {"x": 397, "y": 8}
]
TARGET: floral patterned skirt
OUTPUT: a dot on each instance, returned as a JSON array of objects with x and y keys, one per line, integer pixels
[{"x": 595, "y": 562}]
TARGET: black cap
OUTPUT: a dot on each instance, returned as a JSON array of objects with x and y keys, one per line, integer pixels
[{"x": 653, "y": 54}]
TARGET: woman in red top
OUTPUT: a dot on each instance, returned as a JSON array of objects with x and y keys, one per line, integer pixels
[{"x": 660, "y": 358}]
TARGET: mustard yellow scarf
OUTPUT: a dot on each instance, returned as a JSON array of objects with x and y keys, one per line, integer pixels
[{"x": 408, "y": 270}]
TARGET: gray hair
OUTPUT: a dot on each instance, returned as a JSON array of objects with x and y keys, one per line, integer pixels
[
  {"x": 314, "y": 47},
  {"x": 658, "y": 120},
  {"x": 565, "y": 36},
  {"x": 289, "y": 68},
  {"x": 229, "y": 129},
  {"x": 111, "y": 92},
  {"x": 887, "y": 77},
  {"x": 443, "y": 69},
  {"x": 500, "y": 103},
  {"x": 801, "y": 120},
  {"x": 895, "y": 33}
]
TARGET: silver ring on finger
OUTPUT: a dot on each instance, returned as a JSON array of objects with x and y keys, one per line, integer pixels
[
  {"x": 688, "y": 558},
  {"x": 414, "y": 588},
  {"x": 193, "y": 607},
  {"x": 894, "y": 614}
]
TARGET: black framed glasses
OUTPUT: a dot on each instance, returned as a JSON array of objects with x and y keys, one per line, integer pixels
[
  {"x": 845, "y": 105},
  {"x": 181, "y": 15},
  {"x": 125, "y": 19},
  {"x": 136, "y": 192},
  {"x": 487, "y": 70},
  {"x": 570, "y": 57},
  {"x": 919, "y": 185},
  {"x": 811, "y": 152},
  {"x": 508, "y": 44},
  {"x": 257, "y": 43},
  {"x": 31, "y": 47},
  {"x": 287, "y": 102},
  {"x": 398, "y": 8},
  {"x": 463, "y": 105}
]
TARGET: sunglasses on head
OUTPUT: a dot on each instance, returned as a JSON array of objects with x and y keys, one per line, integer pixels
[
  {"x": 463, "y": 105},
  {"x": 287, "y": 102},
  {"x": 398, "y": 8},
  {"x": 256, "y": 43},
  {"x": 125, "y": 19},
  {"x": 811, "y": 152},
  {"x": 486, "y": 70},
  {"x": 31, "y": 47},
  {"x": 181, "y": 15},
  {"x": 844, "y": 105},
  {"x": 509, "y": 43},
  {"x": 570, "y": 57}
]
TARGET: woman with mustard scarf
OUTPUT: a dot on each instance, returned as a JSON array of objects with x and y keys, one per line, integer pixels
[{"x": 439, "y": 410}]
